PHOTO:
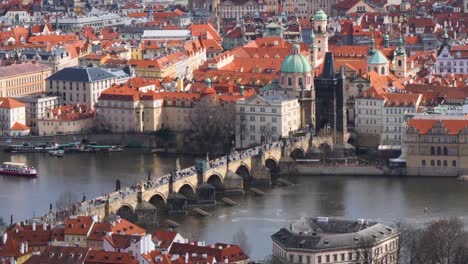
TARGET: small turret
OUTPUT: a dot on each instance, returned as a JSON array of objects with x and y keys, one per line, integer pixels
[
  {"x": 371, "y": 47},
  {"x": 386, "y": 42},
  {"x": 241, "y": 90},
  {"x": 208, "y": 82}
]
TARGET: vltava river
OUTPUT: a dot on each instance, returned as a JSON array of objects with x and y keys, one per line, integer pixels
[{"x": 382, "y": 198}]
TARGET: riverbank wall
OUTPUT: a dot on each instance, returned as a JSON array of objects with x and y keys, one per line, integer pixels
[
  {"x": 338, "y": 171},
  {"x": 125, "y": 139}
]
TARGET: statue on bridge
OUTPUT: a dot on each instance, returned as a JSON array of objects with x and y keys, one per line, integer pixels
[
  {"x": 117, "y": 185},
  {"x": 177, "y": 166}
]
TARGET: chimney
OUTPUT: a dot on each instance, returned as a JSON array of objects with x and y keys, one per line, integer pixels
[
  {"x": 226, "y": 261},
  {"x": 44, "y": 226},
  {"x": 34, "y": 226},
  {"x": 186, "y": 257},
  {"x": 4, "y": 238},
  {"x": 22, "y": 248}
]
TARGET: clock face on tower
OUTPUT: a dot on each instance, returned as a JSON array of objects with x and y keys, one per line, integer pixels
[{"x": 360, "y": 85}]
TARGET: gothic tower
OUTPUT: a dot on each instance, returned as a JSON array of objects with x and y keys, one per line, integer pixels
[{"x": 330, "y": 108}]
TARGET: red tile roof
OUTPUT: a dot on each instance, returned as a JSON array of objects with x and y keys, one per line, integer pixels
[
  {"x": 79, "y": 225},
  {"x": 103, "y": 257},
  {"x": 425, "y": 125},
  {"x": 121, "y": 241},
  {"x": 6, "y": 102},
  {"x": 17, "y": 126},
  {"x": 53, "y": 254}
]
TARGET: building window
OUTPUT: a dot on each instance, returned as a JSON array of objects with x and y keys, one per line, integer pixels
[
  {"x": 454, "y": 163},
  {"x": 327, "y": 258},
  {"x": 432, "y": 151},
  {"x": 252, "y": 138},
  {"x": 262, "y": 109},
  {"x": 423, "y": 163},
  {"x": 319, "y": 259},
  {"x": 439, "y": 151},
  {"x": 445, "y": 163},
  {"x": 438, "y": 163},
  {"x": 242, "y": 109},
  {"x": 289, "y": 81},
  {"x": 252, "y": 109},
  {"x": 335, "y": 257},
  {"x": 445, "y": 151},
  {"x": 432, "y": 163}
]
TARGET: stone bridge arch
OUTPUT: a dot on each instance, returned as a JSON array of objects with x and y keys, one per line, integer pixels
[
  {"x": 159, "y": 201},
  {"x": 297, "y": 152},
  {"x": 127, "y": 211},
  {"x": 272, "y": 164},
  {"x": 216, "y": 181},
  {"x": 244, "y": 171},
  {"x": 188, "y": 191}
]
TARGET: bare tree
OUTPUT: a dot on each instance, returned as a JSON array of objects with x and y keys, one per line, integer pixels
[
  {"x": 444, "y": 240},
  {"x": 212, "y": 128},
  {"x": 409, "y": 244},
  {"x": 267, "y": 132},
  {"x": 441, "y": 242},
  {"x": 65, "y": 200},
  {"x": 240, "y": 239}
]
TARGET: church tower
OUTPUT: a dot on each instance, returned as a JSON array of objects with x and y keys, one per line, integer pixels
[
  {"x": 313, "y": 51},
  {"x": 321, "y": 33},
  {"x": 400, "y": 60},
  {"x": 296, "y": 78}
]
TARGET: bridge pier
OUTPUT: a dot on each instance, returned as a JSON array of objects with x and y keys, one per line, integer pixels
[
  {"x": 260, "y": 173},
  {"x": 233, "y": 183}
]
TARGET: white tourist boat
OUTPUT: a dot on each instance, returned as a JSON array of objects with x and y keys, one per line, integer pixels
[{"x": 17, "y": 169}]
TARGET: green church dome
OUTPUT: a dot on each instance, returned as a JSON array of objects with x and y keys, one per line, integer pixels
[
  {"x": 377, "y": 58},
  {"x": 296, "y": 62},
  {"x": 320, "y": 15}
]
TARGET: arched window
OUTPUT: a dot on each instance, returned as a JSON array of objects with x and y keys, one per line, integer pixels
[
  {"x": 445, "y": 163},
  {"x": 375, "y": 69},
  {"x": 382, "y": 70},
  {"x": 300, "y": 81},
  {"x": 432, "y": 150},
  {"x": 445, "y": 151},
  {"x": 319, "y": 28},
  {"x": 439, "y": 151},
  {"x": 438, "y": 163},
  {"x": 399, "y": 63},
  {"x": 289, "y": 81},
  {"x": 454, "y": 163}
]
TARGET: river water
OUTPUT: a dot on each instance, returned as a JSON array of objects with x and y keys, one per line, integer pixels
[{"x": 387, "y": 199}]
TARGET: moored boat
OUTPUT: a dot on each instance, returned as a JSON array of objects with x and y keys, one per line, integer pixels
[{"x": 17, "y": 169}]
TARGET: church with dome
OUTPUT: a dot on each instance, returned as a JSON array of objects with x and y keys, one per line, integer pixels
[{"x": 321, "y": 98}]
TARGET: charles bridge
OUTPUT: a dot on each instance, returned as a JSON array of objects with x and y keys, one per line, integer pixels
[{"x": 197, "y": 185}]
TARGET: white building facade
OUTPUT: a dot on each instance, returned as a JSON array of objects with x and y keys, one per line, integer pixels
[
  {"x": 265, "y": 118},
  {"x": 452, "y": 59},
  {"x": 79, "y": 85}
]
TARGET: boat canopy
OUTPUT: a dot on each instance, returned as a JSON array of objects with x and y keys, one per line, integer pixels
[{"x": 13, "y": 164}]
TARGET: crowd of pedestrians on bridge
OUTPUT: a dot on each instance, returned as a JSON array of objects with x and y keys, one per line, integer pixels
[{"x": 86, "y": 206}]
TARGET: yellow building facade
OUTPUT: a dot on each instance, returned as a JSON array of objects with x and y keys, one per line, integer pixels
[
  {"x": 437, "y": 146},
  {"x": 23, "y": 79}
]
